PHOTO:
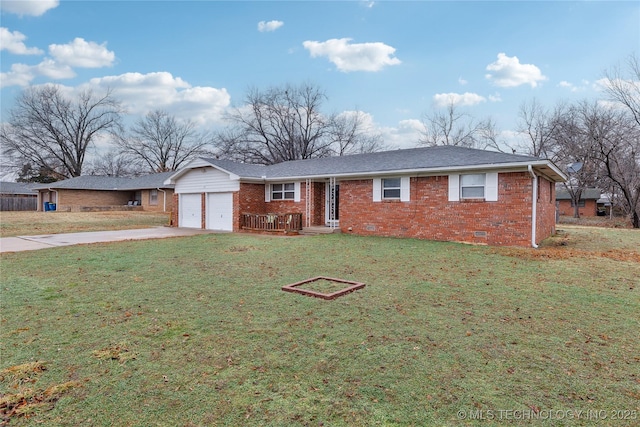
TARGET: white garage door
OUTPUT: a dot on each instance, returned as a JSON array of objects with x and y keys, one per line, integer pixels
[
  {"x": 190, "y": 206},
  {"x": 220, "y": 211}
]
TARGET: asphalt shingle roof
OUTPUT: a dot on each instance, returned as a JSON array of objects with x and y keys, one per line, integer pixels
[
  {"x": 95, "y": 182},
  {"x": 587, "y": 194},
  {"x": 409, "y": 159},
  {"x": 16, "y": 188},
  {"x": 397, "y": 160},
  {"x": 243, "y": 170}
]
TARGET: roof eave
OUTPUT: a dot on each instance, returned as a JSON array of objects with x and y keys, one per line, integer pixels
[{"x": 514, "y": 167}]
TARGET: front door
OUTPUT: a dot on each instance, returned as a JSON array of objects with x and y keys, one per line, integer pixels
[{"x": 332, "y": 205}]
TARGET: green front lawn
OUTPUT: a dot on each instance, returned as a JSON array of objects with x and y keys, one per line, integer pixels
[
  {"x": 196, "y": 331},
  {"x": 34, "y": 223}
]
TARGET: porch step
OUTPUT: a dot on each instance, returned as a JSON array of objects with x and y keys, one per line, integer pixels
[{"x": 314, "y": 231}]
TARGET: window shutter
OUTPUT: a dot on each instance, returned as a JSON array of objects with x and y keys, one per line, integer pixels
[
  {"x": 405, "y": 194},
  {"x": 267, "y": 192},
  {"x": 296, "y": 191},
  {"x": 491, "y": 187},
  {"x": 454, "y": 187},
  {"x": 377, "y": 189}
]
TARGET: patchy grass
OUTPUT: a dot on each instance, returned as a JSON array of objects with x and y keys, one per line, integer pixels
[
  {"x": 21, "y": 399},
  {"x": 596, "y": 241},
  {"x": 196, "y": 331},
  {"x": 597, "y": 221},
  {"x": 34, "y": 223}
]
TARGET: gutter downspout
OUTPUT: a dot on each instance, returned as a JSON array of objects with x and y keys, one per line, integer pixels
[
  {"x": 164, "y": 199},
  {"x": 534, "y": 207}
]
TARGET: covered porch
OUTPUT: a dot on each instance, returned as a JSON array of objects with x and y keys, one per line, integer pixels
[{"x": 314, "y": 204}]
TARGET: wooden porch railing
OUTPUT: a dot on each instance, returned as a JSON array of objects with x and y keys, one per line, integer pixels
[{"x": 288, "y": 222}]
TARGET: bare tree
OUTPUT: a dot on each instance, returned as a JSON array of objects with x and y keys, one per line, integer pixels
[
  {"x": 54, "y": 133},
  {"x": 488, "y": 137},
  {"x": 286, "y": 123},
  {"x": 616, "y": 138},
  {"x": 623, "y": 86},
  {"x": 453, "y": 126},
  {"x": 162, "y": 143},
  {"x": 621, "y": 155},
  {"x": 571, "y": 145},
  {"x": 539, "y": 126},
  {"x": 349, "y": 136},
  {"x": 113, "y": 163}
]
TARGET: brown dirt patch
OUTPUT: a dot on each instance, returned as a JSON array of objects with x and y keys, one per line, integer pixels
[{"x": 560, "y": 253}]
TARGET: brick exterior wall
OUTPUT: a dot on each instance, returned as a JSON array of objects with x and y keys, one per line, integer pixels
[
  {"x": 251, "y": 200},
  {"x": 546, "y": 209},
  {"x": 72, "y": 200},
  {"x": 159, "y": 206},
  {"x": 79, "y": 200},
  {"x": 590, "y": 208},
  {"x": 429, "y": 214},
  {"x": 174, "y": 213},
  {"x": 317, "y": 204}
]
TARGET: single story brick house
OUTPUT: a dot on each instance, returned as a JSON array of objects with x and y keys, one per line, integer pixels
[
  {"x": 587, "y": 205},
  {"x": 92, "y": 192},
  {"x": 439, "y": 193}
]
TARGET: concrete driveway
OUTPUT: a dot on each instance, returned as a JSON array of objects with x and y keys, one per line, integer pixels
[{"x": 30, "y": 243}]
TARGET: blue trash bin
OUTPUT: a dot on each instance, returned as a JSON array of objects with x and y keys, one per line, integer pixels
[
  {"x": 46, "y": 206},
  {"x": 52, "y": 206}
]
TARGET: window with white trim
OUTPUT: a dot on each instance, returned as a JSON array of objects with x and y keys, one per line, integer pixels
[
  {"x": 153, "y": 197},
  {"x": 391, "y": 188},
  {"x": 472, "y": 186},
  {"x": 284, "y": 191}
]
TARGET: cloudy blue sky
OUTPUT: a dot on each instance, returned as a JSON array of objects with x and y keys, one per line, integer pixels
[{"x": 393, "y": 60}]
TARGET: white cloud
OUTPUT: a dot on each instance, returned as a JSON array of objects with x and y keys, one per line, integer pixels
[
  {"x": 141, "y": 93},
  {"x": 78, "y": 53},
  {"x": 464, "y": 99},
  {"x": 53, "y": 70},
  {"x": 405, "y": 135},
  {"x": 462, "y": 81},
  {"x": 495, "y": 97},
  {"x": 28, "y": 7},
  {"x": 353, "y": 57},
  {"x": 13, "y": 42},
  {"x": 509, "y": 72},
  {"x": 567, "y": 85},
  {"x": 584, "y": 85},
  {"x": 83, "y": 54},
  {"x": 269, "y": 26},
  {"x": 20, "y": 75}
]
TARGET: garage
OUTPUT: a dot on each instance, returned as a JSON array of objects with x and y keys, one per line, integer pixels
[
  {"x": 219, "y": 211},
  {"x": 190, "y": 208}
]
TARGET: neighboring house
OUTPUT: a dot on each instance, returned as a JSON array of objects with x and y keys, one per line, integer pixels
[
  {"x": 587, "y": 205},
  {"x": 90, "y": 192},
  {"x": 439, "y": 193},
  {"x": 16, "y": 196}
]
